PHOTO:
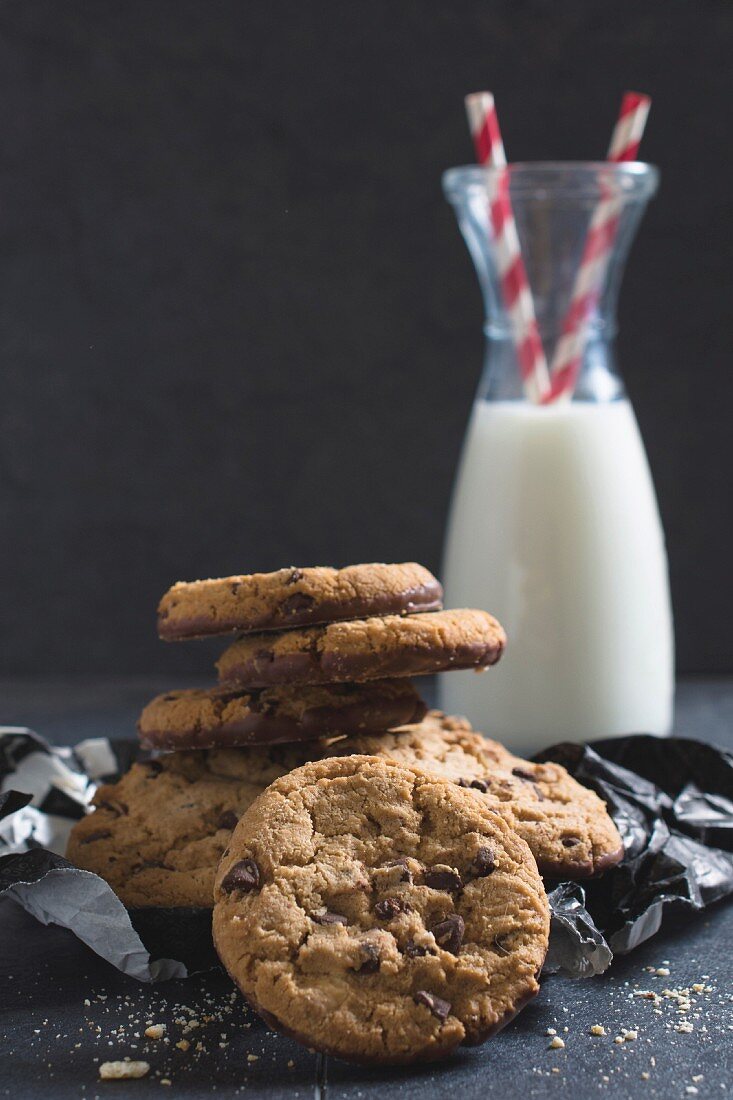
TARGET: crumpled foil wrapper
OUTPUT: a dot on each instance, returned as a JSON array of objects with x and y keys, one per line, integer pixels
[
  {"x": 672, "y": 801},
  {"x": 671, "y": 798}
]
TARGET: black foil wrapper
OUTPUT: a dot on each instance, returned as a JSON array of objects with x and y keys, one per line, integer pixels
[
  {"x": 671, "y": 798},
  {"x": 672, "y": 801}
]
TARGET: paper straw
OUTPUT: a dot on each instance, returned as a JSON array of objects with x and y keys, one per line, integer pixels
[
  {"x": 515, "y": 290},
  {"x": 570, "y": 350},
  {"x": 628, "y": 131}
]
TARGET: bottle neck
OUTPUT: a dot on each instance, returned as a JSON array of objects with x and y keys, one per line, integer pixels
[
  {"x": 598, "y": 380},
  {"x": 565, "y": 234},
  {"x": 598, "y": 327}
]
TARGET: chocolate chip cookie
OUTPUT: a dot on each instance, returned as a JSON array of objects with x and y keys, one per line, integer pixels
[
  {"x": 295, "y": 597},
  {"x": 566, "y": 825},
  {"x": 366, "y": 649},
  {"x": 209, "y": 719},
  {"x": 156, "y": 836},
  {"x": 378, "y": 913}
]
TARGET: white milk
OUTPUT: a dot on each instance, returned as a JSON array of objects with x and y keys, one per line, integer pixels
[{"x": 554, "y": 528}]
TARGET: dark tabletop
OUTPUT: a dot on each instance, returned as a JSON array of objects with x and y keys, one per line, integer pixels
[{"x": 63, "y": 1011}]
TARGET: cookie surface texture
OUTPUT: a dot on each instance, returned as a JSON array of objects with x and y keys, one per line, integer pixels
[
  {"x": 566, "y": 825},
  {"x": 157, "y": 834},
  {"x": 379, "y": 914},
  {"x": 366, "y": 649},
  {"x": 295, "y": 597}
]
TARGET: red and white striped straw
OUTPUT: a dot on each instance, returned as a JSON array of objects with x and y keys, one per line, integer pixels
[
  {"x": 515, "y": 289},
  {"x": 629, "y": 129},
  {"x": 570, "y": 350}
]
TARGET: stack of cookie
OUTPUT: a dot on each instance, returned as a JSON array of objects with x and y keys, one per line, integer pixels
[
  {"x": 375, "y": 870},
  {"x": 320, "y": 651}
]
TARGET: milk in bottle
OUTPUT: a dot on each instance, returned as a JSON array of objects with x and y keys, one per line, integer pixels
[{"x": 555, "y": 529}]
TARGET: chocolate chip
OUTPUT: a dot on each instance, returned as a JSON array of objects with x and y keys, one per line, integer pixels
[
  {"x": 463, "y": 783},
  {"x": 414, "y": 950},
  {"x": 295, "y": 576},
  {"x": 483, "y": 863},
  {"x": 243, "y": 876},
  {"x": 570, "y": 841},
  {"x": 115, "y": 807},
  {"x": 442, "y": 878},
  {"x": 370, "y": 959},
  {"x": 222, "y": 696},
  {"x": 390, "y": 907},
  {"x": 329, "y": 918},
  {"x": 499, "y": 946},
  {"x": 449, "y": 933},
  {"x": 406, "y": 875},
  {"x": 437, "y": 1005},
  {"x": 391, "y": 875},
  {"x": 101, "y": 834},
  {"x": 262, "y": 705},
  {"x": 155, "y": 766},
  {"x": 480, "y": 785},
  {"x": 227, "y": 820},
  {"x": 234, "y": 587},
  {"x": 522, "y": 773},
  {"x": 296, "y": 603}
]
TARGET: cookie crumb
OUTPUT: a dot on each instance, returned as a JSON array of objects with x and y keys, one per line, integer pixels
[
  {"x": 155, "y": 1031},
  {"x": 183, "y": 1044},
  {"x": 556, "y": 1043},
  {"x": 598, "y": 1029},
  {"x": 123, "y": 1071},
  {"x": 253, "y": 1057}
]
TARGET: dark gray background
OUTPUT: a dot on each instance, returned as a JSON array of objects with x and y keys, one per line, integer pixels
[{"x": 239, "y": 328}]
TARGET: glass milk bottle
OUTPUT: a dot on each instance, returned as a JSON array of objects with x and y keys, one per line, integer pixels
[{"x": 554, "y": 525}]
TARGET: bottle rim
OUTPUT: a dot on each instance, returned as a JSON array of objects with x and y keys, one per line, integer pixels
[{"x": 541, "y": 180}]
